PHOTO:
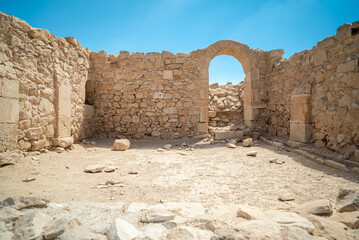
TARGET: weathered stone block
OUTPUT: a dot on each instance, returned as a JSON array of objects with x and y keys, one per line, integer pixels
[
  {"x": 319, "y": 57},
  {"x": 300, "y": 132},
  {"x": 168, "y": 74},
  {"x": 9, "y": 110},
  {"x": 327, "y": 42},
  {"x": 347, "y": 66},
  {"x": 212, "y": 114},
  {"x": 202, "y": 127},
  {"x": 218, "y": 135},
  {"x": 300, "y": 108},
  {"x": 9, "y": 88},
  {"x": 8, "y": 137},
  {"x": 203, "y": 117}
]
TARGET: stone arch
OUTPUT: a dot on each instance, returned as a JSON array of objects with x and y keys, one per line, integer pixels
[{"x": 249, "y": 60}]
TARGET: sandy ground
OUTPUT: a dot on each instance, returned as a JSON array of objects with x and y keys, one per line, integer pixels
[{"x": 211, "y": 174}]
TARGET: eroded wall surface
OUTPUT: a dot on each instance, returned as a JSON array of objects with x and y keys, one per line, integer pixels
[
  {"x": 329, "y": 74},
  {"x": 35, "y": 68}
]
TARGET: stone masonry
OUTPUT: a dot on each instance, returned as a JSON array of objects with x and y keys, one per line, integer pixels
[{"x": 54, "y": 91}]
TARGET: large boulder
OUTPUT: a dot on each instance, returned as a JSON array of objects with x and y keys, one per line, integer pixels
[
  {"x": 318, "y": 207},
  {"x": 347, "y": 201},
  {"x": 63, "y": 142},
  {"x": 24, "y": 202},
  {"x": 122, "y": 230},
  {"x": 31, "y": 225},
  {"x": 121, "y": 144}
]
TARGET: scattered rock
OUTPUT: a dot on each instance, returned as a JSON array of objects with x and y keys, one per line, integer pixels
[
  {"x": 317, "y": 207},
  {"x": 231, "y": 145},
  {"x": 286, "y": 197},
  {"x": 109, "y": 169},
  {"x": 63, "y": 142},
  {"x": 247, "y": 142},
  {"x": 112, "y": 182},
  {"x": 9, "y": 214},
  {"x": 252, "y": 153},
  {"x": 153, "y": 231},
  {"x": 80, "y": 233},
  {"x": 29, "y": 179},
  {"x": 58, "y": 227},
  {"x": 187, "y": 233},
  {"x": 121, "y": 144},
  {"x": 350, "y": 219},
  {"x": 59, "y": 150},
  {"x": 276, "y": 161},
  {"x": 347, "y": 201},
  {"x": 156, "y": 216},
  {"x": 24, "y": 202},
  {"x": 31, "y": 225},
  {"x": 289, "y": 219},
  {"x": 132, "y": 172},
  {"x": 160, "y": 150},
  {"x": 328, "y": 229},
  {"x": 136, "y": 207},
  {"x": 94, "y": 168},
  {"x": 120, "y": 229},
  {"x": 167, "y": 147},
  {"x": 249, "y": 212}
]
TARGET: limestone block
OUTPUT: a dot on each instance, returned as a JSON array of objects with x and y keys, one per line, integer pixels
[
  {"x": 202, "y": 127},
  {"x": 212, "y": 114},
  {"x": 300, "y": 132},
  {"x": 319, "y": 57},
  {"x": 327, "y": 42},
  {"x": 9, "y": 88},
  {"x": 64, "y": 126},
  {"x": 8, "y": 138},
  {"x": 343, "y": 31},
  {"x": 300, "y": 108},
  {"x": 203, "y": 117},
  {"x": 218, "y": 135},
  {"x": 9, "y": 110},
  {"x": 347, "y": 66},
  {"x": 63, "y": 142},
  {"x": 168, "y": 74}
]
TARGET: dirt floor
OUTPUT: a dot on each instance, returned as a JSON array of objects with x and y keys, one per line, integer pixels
[{"x": 210, "y": 174}]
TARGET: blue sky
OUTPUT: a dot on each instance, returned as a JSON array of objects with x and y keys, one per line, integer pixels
[{"x": 187, "y": 25}]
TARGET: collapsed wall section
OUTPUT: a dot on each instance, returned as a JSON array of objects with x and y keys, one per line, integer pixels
[
  {"x": 145, "y": 95},
  {"x": 328, "y": 76},
  {"x": 42, "y": 79}
]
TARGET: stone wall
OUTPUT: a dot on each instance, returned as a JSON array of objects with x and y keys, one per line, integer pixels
[
  {"x": 145, "y": 95},
  {"x": 226, "y": 105},
  {"x": 329, "y": 75},
  {"x": 42, "y": 79}
]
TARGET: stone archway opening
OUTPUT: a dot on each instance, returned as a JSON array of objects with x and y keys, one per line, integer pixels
[{"x": 226, "y": 92}]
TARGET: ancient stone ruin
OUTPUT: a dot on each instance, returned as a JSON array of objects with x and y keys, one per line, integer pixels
[
  {"x": 54, "y": 93},
  {"x": 52, "y": 88}
]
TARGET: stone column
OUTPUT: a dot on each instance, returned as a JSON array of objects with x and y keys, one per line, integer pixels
[
  {"x": 9, "y": 113},
  {"x": 300, "y": 118},
  {"x": 63, "y": 110}
]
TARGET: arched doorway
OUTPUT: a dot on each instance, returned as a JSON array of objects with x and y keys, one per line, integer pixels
[
  {"x": 226, "y": 92},
  {"x": 254, "y": 83}
]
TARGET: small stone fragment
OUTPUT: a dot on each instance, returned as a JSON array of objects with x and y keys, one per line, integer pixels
[
  {"x": 167, "y": 147},
  {"x": 59, "y": 150},
  {"x": 231, "y": 145},
  {"x": 132, "y": 172},
  {"x": 121, "y": 144},
  {"x": 109, "y": 169},
  {"x": 276, "y": 161},
  {"x": 160, "y": 150},
  {"x": 156, "y": 216},
  {"x": 252, "y": 153},
  {"x": 247, "y": 142},
  {"x": 94, "y": 168},
  {"x": 24, "y": 202},
  {"x": 286, "y": 197},
  {"x": 29, "y": 179}
]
